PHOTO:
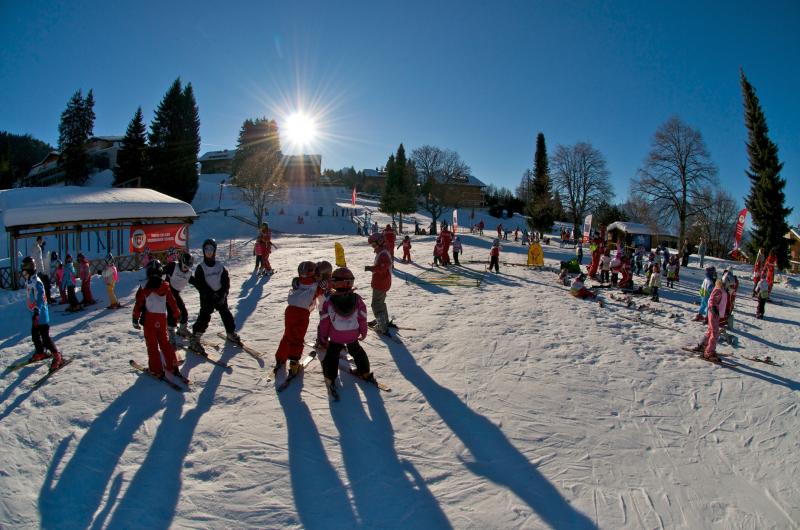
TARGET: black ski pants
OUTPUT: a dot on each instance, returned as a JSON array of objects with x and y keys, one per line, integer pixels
[
  {"x": 207, "y": 307},
  {"x": 494, "y": 262},
  {"x": 181, "y": 307},
  {"x": 41, "y": 338},
  {"x": 330, "y": 364}
]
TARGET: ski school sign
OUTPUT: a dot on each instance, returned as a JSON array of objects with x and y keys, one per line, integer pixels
[{"x": 158, "y": 237}]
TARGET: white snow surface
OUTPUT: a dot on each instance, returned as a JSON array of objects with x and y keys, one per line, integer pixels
[
  {"x": 63, "y": 204},
  {"x": 513, "y": 405}
]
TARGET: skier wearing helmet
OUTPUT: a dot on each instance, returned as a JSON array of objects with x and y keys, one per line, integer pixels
[
  {"x": 155, "y": 299},
  {"x": 212, "y": 282},
  {"x": 381, "y": 270},
  {"x": 389, "y": 239},
  {"x": 179, "y": 275},
  {"x": 110, "y": 278},
  {"x": 40, "y": 325},
  {"x": 302, "y": 300},
  {"x": 68, "y": 282},
  {"x": 343, "y": 322}
]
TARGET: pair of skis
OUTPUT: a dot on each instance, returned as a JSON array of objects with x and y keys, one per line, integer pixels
[
  {"x": 28, "y": 362},
  {"x": 173, "y": 385}
]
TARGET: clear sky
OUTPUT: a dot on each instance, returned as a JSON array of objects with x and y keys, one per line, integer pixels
[{"x": 482, "y": 78}]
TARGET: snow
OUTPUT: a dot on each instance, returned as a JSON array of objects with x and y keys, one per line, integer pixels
[{"x": 513, "y": 405}]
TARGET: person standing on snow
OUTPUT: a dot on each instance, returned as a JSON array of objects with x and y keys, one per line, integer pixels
[
  {"x": 154, "y": 300},
  {"x": 447, "y": 238},
  {"x": 179, "y": 275},
  {"x": 42, "y": 260},
  {"x": 302, "y": 300},
  {"x": 213, "y": 283},
  {"x": 457, "y": 249},
  {"x": 342, "y": 323},
  {"x": 705, "y": 292},
  {"x": 762, "y": 290},
  {"x": 36, "y": 301},
  {"x": 85, "y": 275},
  {"x": 717, "y": 303},
  {"x": 389, "y": 237},
  {"x": 381, "y": 270},
  {"x": 69, "y": 284},
  {"x": 110, "y": 276},
  {"x": 406, "y": 244},
  {"x": 494, "y": 256},
  {"x": 266, "y": 238}
]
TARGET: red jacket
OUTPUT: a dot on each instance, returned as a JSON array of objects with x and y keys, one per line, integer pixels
[
  {"x": 156, "y": 297},
  {"x": 382, "y": 271},
  {"x": 389, "y": 236},
  {"x": 495, "y": 252}
]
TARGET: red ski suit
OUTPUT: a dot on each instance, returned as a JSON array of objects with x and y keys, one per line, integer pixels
[
  {"x": 389, "y": 239},
  {"x": 406, "y": 250},
  {"x": 447, "y": 238},
  {"x": 719, "y": 301},
  {"x": 154, "y": 299},
  {"x": 302, "y": 300}
]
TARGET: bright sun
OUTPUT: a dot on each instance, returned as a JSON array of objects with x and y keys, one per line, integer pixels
[{"x": 300, "y": 129}]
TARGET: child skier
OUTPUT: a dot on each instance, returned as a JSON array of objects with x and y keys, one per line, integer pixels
[
  {"x": 69, "y": 285},
  {"x": 302, "y": 300},
  {"x": 579, "y": 290},
  {"x": 266, "y": 237},
  {"x": 406, "y": 244},
  {"x": 179, "y": 275},
  {"x": 438, "y": 251},
  {"x": 457, "y": 249},
  {"x": 85, "y": 275},
  {"x": 389, "y": 237},
  {"x": 258, "y": 250},
  {"x": 60, "y": 282},
  {"x": 212, "y": 282},
  {"x": 110, "y": 277},
  {"x": 36, "y": 301},
  {"x": 672, "y": 270},
  {"x": 494, "y": 256},
  {"x": 343, "y": 322},
  {"x": 381, "y": 270},
  {"x": 605, "y": 266},
  {"x": 705, "y": 291},
  {"x": 155, "y": 299},
  {"x": 654, "y": 283},
  {"x": 762, "y": 291},
  {"x": 447, "y": 237},
  {"x": 716, "y": 306}
]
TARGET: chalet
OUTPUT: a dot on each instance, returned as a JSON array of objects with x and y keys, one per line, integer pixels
[
  {"x": 217, "y": 162},
  {"x": 302, "y": 170},
  {"x": 102, "y": 152},
  {"x": 794, "y": 248},
  {"x": 461, "y": 192}
]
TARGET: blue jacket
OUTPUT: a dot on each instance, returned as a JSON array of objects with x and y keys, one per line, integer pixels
[
  {"x": 34, "y": 296},
  {"x": 69, "y": 275}
]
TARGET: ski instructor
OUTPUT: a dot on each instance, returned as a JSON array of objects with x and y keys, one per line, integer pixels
[{"x": 212, "y": 281}]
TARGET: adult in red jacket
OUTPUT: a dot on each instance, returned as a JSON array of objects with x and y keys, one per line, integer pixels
[
  {"x": 447, "y": 239},
  {"x": 597, "y": 251},
  {"x": 769, "y": 268},
  {"x": 381, "y": 270},
  {"x": 154, "y": 300},
  {"x": 389, "y": 239}
]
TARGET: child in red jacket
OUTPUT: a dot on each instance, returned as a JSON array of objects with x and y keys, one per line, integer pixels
[
  {"x": 494, "y": 256},
  {"x": 381, "y": 270},
  {"x": 155, "y": 299},
  {"x": 406, "y": 244},
  {"x": 302, "y": 300}
]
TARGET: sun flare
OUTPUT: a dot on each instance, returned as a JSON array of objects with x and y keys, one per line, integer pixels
[{"x": 300, "y": 129}]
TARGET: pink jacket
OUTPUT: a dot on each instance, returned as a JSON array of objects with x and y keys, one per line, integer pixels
[{"x": 343, "y": 329}]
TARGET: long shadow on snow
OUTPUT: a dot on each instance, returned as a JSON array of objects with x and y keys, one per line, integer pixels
[
  {"x": 764, "y": 341},
  {"x": 249, "y": 296},
  {"x": 494, "y": 456},
  {"x": 72, "y": 501},
  {"x": 410, "y": 278},
  {"x": 765, "y": 376},
  {"x": 311, "y": 470},
  {"x": 384, "y": 495}
]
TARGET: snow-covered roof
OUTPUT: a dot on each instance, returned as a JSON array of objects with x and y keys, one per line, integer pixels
[
  {"x": 630, "y": 228},
  {"x": 21, "y": 207},
  {"x": 218, "y": 155},
  {"x": 793, "y": 233}
]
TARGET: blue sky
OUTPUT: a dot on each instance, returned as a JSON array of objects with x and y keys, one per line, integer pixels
[{"x": 482, "y": 78}]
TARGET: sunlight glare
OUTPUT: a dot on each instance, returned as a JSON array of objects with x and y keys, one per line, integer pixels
[{"x": 300, "y": 129}]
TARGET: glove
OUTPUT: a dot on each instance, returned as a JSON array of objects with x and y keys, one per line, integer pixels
[
  {"x": 136, "y": 324},
  {"x": 36, "y": 317},
  {"x": 368, "y": 268}
]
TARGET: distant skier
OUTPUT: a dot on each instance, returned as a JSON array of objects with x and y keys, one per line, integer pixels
[
  {"x": 36, "y": 301},
  {"x": 389, "y": 237},
  {"x": 68, "y": 283},
  {"x": 762, "y": 291},
  {"x": 381, "y": 270},
  {"x": 494, "y": 256},
  {"x": 178, "y": 275},
  {"x": 265, "y": 234},
  {"x": 59, "y": 275},
  {"x": 110, "y": 276},
  {"x": 302, "y": 300},
  {"x": 213, "y": 283},
  {"x": 438, "y": 251},
  {"x": 406, "y": 244},
  {"x": 705, "y": 292},
  {"x": 654, "y": 283},
  {"x": 757, "y": 269},
  {"x": 457, "y": 249},
  {"x": 605, "y": 266},
  {"x": 154, "y": 300},
  {"x": 343, "y": 322},
  {"x": 447, "y": 238},
  {"x": 42, "y": 260},
  {"x": 672, "y": 271},
  {"x": 716, "y": 307},
  {"x": 579, "y": 290},
  {"x": 85, "y": 275},
  {"x": 769, "y": 268}
]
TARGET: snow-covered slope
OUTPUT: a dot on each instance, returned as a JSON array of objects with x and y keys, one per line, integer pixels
[{"x": 513, "y": 405}]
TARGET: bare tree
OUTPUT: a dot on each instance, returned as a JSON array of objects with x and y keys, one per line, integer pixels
[
  {"x": 580, "y": 175},
  {"x": 716, "y": 221},
  {"x": 675, "y": 173},
  {"x": 436, "y": 169},
  {"x": 525, "y": 188}
]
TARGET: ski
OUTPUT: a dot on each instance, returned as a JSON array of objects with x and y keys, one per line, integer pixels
[
  {"x": 252, "y": 351},
  {"x": 206, "y": 357},
  {"x": 386, "y": 335},
  {"x": 304, "y": 362},
  {"x": 145, "y": 371},
  {"x": 373, "y": 381},
  {"x": 766, "y": 360},
  {"x": 44, "y": 379},
  {"x": 395, "y": 326},
  {"x": 26, "y": 362}
]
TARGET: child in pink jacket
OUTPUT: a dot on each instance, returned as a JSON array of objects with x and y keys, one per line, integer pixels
[{"x": 343, "y": 322}]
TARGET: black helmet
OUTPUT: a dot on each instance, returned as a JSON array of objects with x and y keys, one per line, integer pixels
[
  {"x": 28, "y": 266},
  {"x": 342, "y": 280},
  {"x": 187, "y": 259},
  {"x": 155, "y": 269},
  {"x": 209, "y": 242},
  {"x": 54, "y": 256}
]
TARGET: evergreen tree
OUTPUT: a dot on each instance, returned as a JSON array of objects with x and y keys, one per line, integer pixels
[
  {"x": 74, "y": 131},
  {"x": 18, "y": 153},
  {"x": 389, "y": 194},
  {"x": 175, "y": 144},
  {"x": 540, "y": 207},
  {"x": 406, "y": 186},
  {"x": 132, "y": 156},
  {"x": 766, "y": 201}
]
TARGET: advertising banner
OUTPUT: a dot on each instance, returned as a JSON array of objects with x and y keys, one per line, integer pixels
[
  {"x": 587, "y": 228},
  {"x": 158, "y": 238},
  {"x": 739, "y": 228},
  {"x": 455, "y": 221}
]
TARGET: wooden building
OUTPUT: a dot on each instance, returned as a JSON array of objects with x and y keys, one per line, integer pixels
[{"x": 217, "y": 162}]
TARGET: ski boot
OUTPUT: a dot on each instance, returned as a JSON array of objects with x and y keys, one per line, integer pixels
[
  {"x": 233, "y": 337},
  {"x": 277, "y": 367},
  {"x": 699, "y": 348},
  {"x": 39, "y": 357},
  {"x": 183, "y": 330},
  {"x": 171, "y": 335},
  {"x": 58, "y": 361},
  {"x": 294, "y": 367},
  {"x": 330, "y": 384},
  {"x": 368, "y": 377},
  {"x": 196, "y": 344}
]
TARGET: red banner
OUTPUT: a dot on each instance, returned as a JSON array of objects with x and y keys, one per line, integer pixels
[
  {"x": 353, "y": 201},
  {"x": 739, "y": 228},
  {"x": 157, "y": 238}
]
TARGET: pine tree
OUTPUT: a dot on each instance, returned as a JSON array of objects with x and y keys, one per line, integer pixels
[
  {"x": 175, "y": 144},
  {"x": 406, "y": 187},
  {"x": 766, "y": 201},
  {"x": 132, "y": 156},
  {"x": 74, "y": 131},
  {"x": 540, "y": 207},
  {"x": 389, "y": 194}
]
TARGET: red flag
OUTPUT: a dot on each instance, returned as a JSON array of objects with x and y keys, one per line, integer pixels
[
  {"x": 353, "y": 201},
  {"x": 739, "y": 228}
]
